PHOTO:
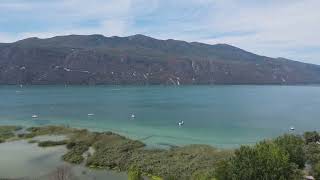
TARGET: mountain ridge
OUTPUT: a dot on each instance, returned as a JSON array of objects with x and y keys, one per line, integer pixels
[{"x": 141, "y": 60}]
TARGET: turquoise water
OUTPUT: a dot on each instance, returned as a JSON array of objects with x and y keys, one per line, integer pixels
[{"x": 224, "y": 116}]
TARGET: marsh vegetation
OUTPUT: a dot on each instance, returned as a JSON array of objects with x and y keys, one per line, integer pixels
[{"x": 286, "y": 157}]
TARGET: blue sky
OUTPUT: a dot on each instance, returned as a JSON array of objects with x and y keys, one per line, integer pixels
[{"x": 276, "y": 28}]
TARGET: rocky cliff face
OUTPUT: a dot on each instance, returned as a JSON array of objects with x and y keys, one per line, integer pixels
[{"x": 140, "y": 60}]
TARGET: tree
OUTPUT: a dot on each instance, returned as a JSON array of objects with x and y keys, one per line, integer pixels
[
  {"x": 266, "y": 160},
  {"x": 294, "y": 146}
]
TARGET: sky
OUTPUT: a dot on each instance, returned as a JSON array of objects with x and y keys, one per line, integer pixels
[{"x": 275, "y": 28}]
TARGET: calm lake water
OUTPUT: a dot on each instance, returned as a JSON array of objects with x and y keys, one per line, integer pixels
[
  {"x": 37, "y": 162},
  {"x": 223, "y": 116}
]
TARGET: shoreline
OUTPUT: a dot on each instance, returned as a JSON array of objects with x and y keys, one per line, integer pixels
[
  {"x": 111, "y": 152},
  {"x": 118, "y": 153}
]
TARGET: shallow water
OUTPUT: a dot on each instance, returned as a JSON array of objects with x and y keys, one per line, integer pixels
[
  {"x": 21, "y": 159},
  {"x": 224, "y": 116}
]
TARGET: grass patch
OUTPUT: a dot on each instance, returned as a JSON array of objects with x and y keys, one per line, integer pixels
[
  {"x": 7, "y": 132},
  {"x": 32, "y": 141},
  {"x": 75, "y": 153},
  {"x": 46, "y": 130},
  {"x": 52, "y": 143},
  {"x": 116, "y": 152},
  {"x": 49, "y": 130}
]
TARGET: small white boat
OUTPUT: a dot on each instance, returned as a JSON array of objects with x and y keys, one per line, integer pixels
[
  {"x": 90, "y": 114},
  {"x": 181, "y": 123},
  {"x": 34, "y": 116},
  {"x": 133, "y": 116},
  {"x": 292, "y": 128}
]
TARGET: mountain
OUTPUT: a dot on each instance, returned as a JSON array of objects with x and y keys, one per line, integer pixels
[{"x": 139, "y": 59}]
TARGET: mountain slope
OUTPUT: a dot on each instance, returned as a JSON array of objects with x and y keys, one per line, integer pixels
[{"x": 138, "y": 59}]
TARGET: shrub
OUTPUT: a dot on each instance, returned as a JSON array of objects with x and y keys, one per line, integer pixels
[
  {"x": 311, "y": 136},
  {"x": 75, "y": 154},
  {"x": 265, "y": 160},
  {"x": 52, "y": 143},
  {"x": 32, "y": 141},
  {"x": 7, "y": 132},
  {"x": 294, "y": 146},
  {"x": 316, "y": 170},
  {"x": 134, "y": 174},
  {"x": 223, "y": 170},
  {"x": 312, "y": 153},
  {"x": 206, "y": 174}
]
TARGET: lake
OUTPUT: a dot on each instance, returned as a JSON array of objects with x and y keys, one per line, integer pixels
[{"x": 222, "y": 116}]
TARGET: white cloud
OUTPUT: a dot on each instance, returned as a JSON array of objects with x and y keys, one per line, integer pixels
[{"x": 275, "y": 28}]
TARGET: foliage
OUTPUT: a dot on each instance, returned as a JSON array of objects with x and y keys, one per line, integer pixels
[
  {"x": 223, "y": 170},
  {"x": 49, "y": 130},
  {"x": 313, "y": 158},
  {"x": 52, "y": 143},
  {"x": 7, "y": 132},
  {"x": 311, "y": 137},
  {"x": 281, "y": 158},
  {"x": 180, "y": 163},
  {"x": 316, "y": 170},
  {"x": 265, "y": 160},
  {"x": 205, "y": 174},
  {"x": 312, "y": 153},
  {"x": 32, "y": 141},
  {"x": 134, "y": 174},
  {"x": 294, "y": 146},
  {"x": 75, "y": 154},
  {"x": 113, "y": 151},
  {"x": 46, "y": 130}
]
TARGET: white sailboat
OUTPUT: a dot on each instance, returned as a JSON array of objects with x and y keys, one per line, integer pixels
[{"x": 34, "y": 116}]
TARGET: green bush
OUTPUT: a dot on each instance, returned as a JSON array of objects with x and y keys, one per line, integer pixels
[
  {"x": 311, "y": 137},
  {"x": 294, "y": 146},
  {"x": 7, "y": 132},
  {"x": 223, "y": 170},
  {"x": 265, "y": 160},
  {"x": 312, "y": 153},
  {"x": 316, "y": 170},
  {"x": 32, "y": 141},
  {"x": 134, "y": 174},
  {"x": 75, "y": 154},
  {"x": 52, "y": 143},
  {"x": 205, "y": 174}
]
